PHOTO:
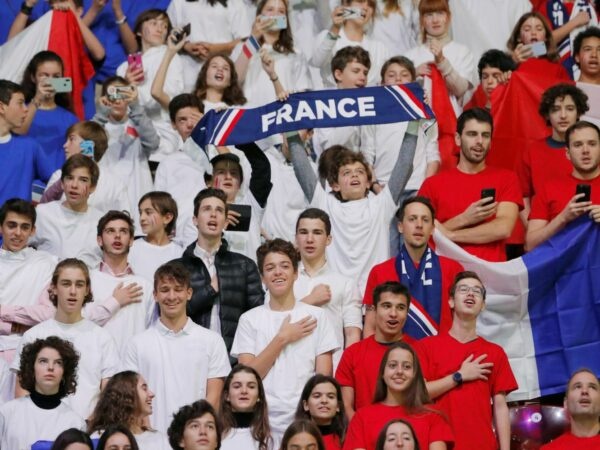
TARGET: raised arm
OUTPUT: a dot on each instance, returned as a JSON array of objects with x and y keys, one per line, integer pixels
[
  {"x": 158, "y": 84},
  {"x": 302, "y": 168},
  {"x": 260, "y": 180},
  {"x": 127, "y": 37},
  {"x": 404, "y": 164}
]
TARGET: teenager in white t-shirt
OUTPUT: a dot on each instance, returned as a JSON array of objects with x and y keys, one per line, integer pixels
[
  {"x": 181, "y": 360},
  {"x": 126, "y": 400},
  {"x": 48, "y": 370},
  {"x": 158, "y": 216},
  {"x": 318, "y": 284},
  {"x": 285, "y": 341},
  {"x": 123, "y": 303},
  {"x": 24, "y": 274},
  {"x": 67, "y": 229},
  {"x": 151, "y": 29},
  {"x": 69, "y": 291},
  {"x": 396, "y": 24}
]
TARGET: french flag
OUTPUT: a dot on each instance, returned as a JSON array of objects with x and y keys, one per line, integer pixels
[
  {"x": 59, "y": 32},
  {"x": 543, "y": 308}
]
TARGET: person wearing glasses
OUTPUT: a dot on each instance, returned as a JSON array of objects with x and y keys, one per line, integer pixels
[{"x": 464, "y": 372}]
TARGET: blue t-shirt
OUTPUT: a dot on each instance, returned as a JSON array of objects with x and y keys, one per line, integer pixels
[
  {"x": 21, "y": 161},
  {"x": 9, "y": 9},
  {"x": 48, "y": 128}
]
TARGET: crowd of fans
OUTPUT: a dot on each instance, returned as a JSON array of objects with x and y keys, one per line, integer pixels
[{"x": 285, "y": 293}]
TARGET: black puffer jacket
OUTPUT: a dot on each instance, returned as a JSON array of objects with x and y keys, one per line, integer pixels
[{"x": 240, "y": 289}]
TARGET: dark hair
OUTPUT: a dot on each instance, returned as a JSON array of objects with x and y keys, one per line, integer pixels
[
  {"x": 233, "y": 94},
  {"x": 72, "y": 263},
  {"x": 392, "y": 287},
  {"x": 115, "y": 215},
  {"x": 560, "y": 91},
  {"x": 7, "y": 89},
  {"x": 115, "y": 429},
  {"x": 402, "y": 61},
  {"x": 589, "y": 32},
  {"x": 315, "y": 213},
  {"x": 80, "y": 161},
  {"x": 346, "y": 55},
  {"x": 416, "y": 396},
  {"x": 184, "y": 101},
  {"x": 577, "y": 372},
  {"x": 229, "y": 158},
  {"x": 465, "y": 274},
  {"x": 326, "y": 159},
  {"x": 91, "y": 131},
  {"x": 114, "y": 79},
  {"x": 429, "y": 6},
  {"x": 164, "y": 204},
  {"x": 20, "y": 207},
  {"x": 259, "y": 426},
  {"x": 285, "y": 43},
  {"x": 30, "y": 87},
  {"x": 172, "y": 271},
  {"x": 302, "y": 426},
  {"x": 579, "y": 126},
  {"x": 343, "y": 158},
  {"x": 145, "y": 16},
  {"x": 383, "y": 434},
  {"x": 276, "y": 245},
  {"x": 417, "y": 199},
  {"x": 71, "y": 436},
  {"x": 68, "y": 354},
  {"x": 187, "y": 413},
  {"x": 208, "y": 193},
  {"x": 496, "y": 59},
  {"x": 478, "y": 114},
  {"x": 339, "y": 423},
  {"x": 118, "y": 403},
  {"x": 515, "y": 36}
]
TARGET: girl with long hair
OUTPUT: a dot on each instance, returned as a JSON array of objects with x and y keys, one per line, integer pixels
[
  {"x": 244, "y": 414},
  {"x": 400, "y": 392},
  {"x": 48, "y": 371},
  {"x": 127, "y": 401},
  {"x": 321, "y": 401},
  {"x": 302, "y": 434},
  {"x": 49, "y": 113}
]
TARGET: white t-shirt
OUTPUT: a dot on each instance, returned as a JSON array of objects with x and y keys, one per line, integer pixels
[
  {"x": 174, "y": 85},
  {"x": 294, "y": 365},
  {"x": 110, "y": 193},
  {"x": 145, "y": 258},
  {"x": 240, "y": 439},
  {"x": 360, "y": 231},
  {"x": 97, "y": 358},
  {"x": 24, "y": 275},
  {"x": 22, "y": 423},
  {"x": 152, "y": 440},
  {"x": 127, "y": 321},
  {"x": 398, "y": 31},
  {"x": 355, "y": 138},
  {"x": 65, "y": 233},
  {"x": 176, "y": 365},
  {"x": 286, "y": 199},
  {"x": 388, "y": 138},
  {"x": 215, "y": 24},
  {"x": 291, "y": 68},
  {"x": 345, "y": 307},
  {"x": 461, "y": 59},
  {"x": 325, "y": 49}
]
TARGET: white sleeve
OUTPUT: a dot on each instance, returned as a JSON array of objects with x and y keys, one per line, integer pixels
[
  {"x": 130, "y": 359},
  {"x": 240, "y": 23},
  {"x": 110, "y": 359},
  {"x": 367, "y": 143},
  {"x": 352, "y": 305},
  {"x": 322, "y": 52},
  {"x": 302, "y": 78},
  {"x": 326, "y": 340},
  {"x": 218, "y": 365},
  {"x": 174, "y": 13},
  {"x": 174, "y": 79},
  {"x": 244, "y": 339}
]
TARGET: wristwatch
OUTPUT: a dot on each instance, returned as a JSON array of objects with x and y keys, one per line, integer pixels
[{"x": 457, "y": 378}]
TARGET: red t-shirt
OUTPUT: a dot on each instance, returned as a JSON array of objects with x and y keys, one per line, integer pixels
[
  {"x": 452, "y": 191},
  {"x": 332, "y": 442},
  {"x": 544, "y": 160},
  {"x": 365, "y": 426},
  {"x": 556, "y": 194},
  {"x": 467, "y": 406},
  {"x": 386, "y": 271},
  {"x": 359, "y": 366},
  {"x": 569, "y": 442}
]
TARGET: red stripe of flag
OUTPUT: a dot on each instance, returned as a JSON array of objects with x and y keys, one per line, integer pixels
[{"x": 237, "y": 116}]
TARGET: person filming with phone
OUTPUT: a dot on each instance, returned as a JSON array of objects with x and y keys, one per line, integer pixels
[
  {"x": 477, "y": 205},
  {"x": 567, "y": 197}
]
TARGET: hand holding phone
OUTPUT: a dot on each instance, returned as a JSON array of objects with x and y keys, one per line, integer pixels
[
  {"x": 136, "y": 67},
  {"x": 353, "y": 13},
  {"x": 61, "y": 85},
  {"x": 183, "y": 33},
  {"x": 488, "y": 192},
  {"x": 538, "y": 48},
  {"x": 245, "y": 214},
  {"x": 585, "y": 189}
]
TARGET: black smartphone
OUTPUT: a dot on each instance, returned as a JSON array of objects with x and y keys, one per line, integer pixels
[
  {"x": 489, "y": 192},
  {"x": 584, "y": 189},
  {"x": 244, "y": 219},
  {"x": 185, "y": 31}
]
